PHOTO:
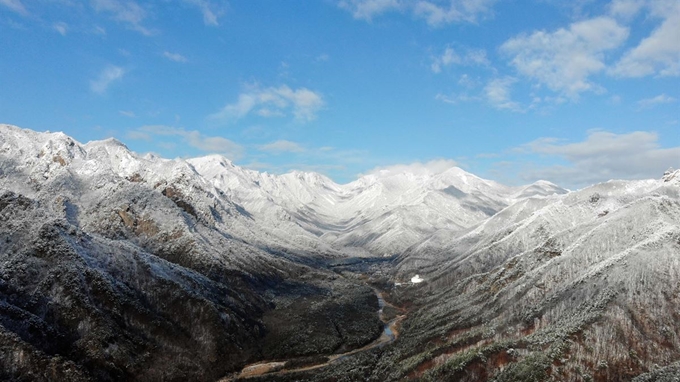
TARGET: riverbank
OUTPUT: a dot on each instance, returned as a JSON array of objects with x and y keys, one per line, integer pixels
[{"x": 390, "y": 334}]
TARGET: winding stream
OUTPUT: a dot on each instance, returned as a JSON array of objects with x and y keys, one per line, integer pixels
[{"x": 388, "y": 335}]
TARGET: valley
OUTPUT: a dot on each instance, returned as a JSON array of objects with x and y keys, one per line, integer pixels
[
  {"x": 389, "y": 334},
  {"x": 119, "y": 266}
]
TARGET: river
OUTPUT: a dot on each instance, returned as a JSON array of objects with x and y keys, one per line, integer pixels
[{"x": 389, "y": 334}]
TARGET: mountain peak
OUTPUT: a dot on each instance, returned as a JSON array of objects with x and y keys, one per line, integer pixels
[
  {"x": 671, "y": 175},
  {"x": 212, "y": 160},
  {"x": 109, "y": 142}
]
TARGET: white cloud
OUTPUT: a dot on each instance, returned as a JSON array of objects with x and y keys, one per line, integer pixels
[
  {"x": 138, "y": 135},
  {"x": 436, "y": 166},
  {"x": 107, "y": 76},
  {"x": 214, "y": 144},
  {"x": 467, "y": 82},
  {"x": 321, "y": 159},
  {"x": 174, "y": 57},
  {"x": 659, "y": 53},
  {"x": 15, "y": 5},
  {"x": 445, "y": 12},
  {"x": 322, "y": 57},
  {"x": 132, "y": 14},
  {"x": 626, "y": 8},
  {"x": 269, "y": 113},
  {"x": 435, "y": 12},
  {"x": 497, "y": 93},
  {"x": 451, "y": 57},
  {"x": 61, "y": 28},
  {"x": 211, "y": 11},
  {"x": 367, "y": 9},
  {"x": 128, "y": 114},
  {"x": 565, "y": 59},
  {"x": 99, "y": 30},
  {"x": 651, "y": 102},
  {"x": 273, "y": 101},
  {"x": 245, "y": 103},
  {"x": 603, "y": 156},
  {"x": 194, "y": 138},
  {"x": 456, "y": 98},
  {"x": 128, "y": 12},
  {"x": 282, "y": 146}
]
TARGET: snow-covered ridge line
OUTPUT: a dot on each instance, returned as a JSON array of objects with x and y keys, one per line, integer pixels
[
  {"x": 379, "y": 213},
  {"x": 32, "y": 143}
]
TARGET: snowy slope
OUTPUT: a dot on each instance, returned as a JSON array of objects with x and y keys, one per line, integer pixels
[
  {"x": 300, "y": 212},
  {"x": 115, "y": 266},
  {"x": 582, "y": 284},
  {"x": 378, "y": 213},
  {"x": 528, "y": 223},
  {"x": 532, "y": 275}
]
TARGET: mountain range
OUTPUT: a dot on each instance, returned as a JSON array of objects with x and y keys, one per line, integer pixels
[{"x": 121, "y": 266}]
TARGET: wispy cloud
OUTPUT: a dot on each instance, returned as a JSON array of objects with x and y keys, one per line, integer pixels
[
  {"x": 61, "y": 28},
  {"x": 367, "y": 9},
  {"x": 193, "y": 138},
  {"x": 602, "y": 156},
  {"x": 451, "y": 57},
  {"x": 438, "y": 13},
  {"x": 133, "y": 15},
  {"x": 497, "y": 93},
  {"x": 99, "y": 30},
  {"x": 16, "y": 6},
  {"x": 435, "y": 12},
  {"x": 436, "y": 166},
  {"x": 282, "y": 146},
  {"x": 127, "y": 12},
  {"x": 456, "y": 98},
  {"x": 128, "y": 114},
  {"x": 211, "y": 11},
  {"x": 174, "y": 57},
  {"x": 273, "y": 102},
  {"x": 324, "y": 159},
  {"x": 107, "y": 76},
  {"x": 625, "y": 8},
  {"x": 651, "y": 102},
  {"x": 564, "y": 60},
  {"x": 659, "y": 53}
]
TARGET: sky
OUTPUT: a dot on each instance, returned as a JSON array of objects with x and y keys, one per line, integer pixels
[{"x": 574, "y": 92}]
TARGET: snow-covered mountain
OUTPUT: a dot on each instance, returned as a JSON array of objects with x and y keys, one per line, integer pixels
[
  {"x": 582, "y": 286},
  {"x": 528, "y": 223},
  {"x": 381, "y": 213},
  {"x": 116, "y": 266},
  {"x": 378, "y": 214},
  {"x": 120, "y": 266}
]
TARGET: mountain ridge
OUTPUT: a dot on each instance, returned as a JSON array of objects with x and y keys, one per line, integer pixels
[{"x": 334, "y": 216}]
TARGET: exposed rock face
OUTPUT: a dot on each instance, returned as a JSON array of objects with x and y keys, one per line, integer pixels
[{"x": 671, "y": 175}]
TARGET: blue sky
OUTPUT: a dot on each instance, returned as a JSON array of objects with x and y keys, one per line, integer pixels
[{"x": 573, "y": 92}]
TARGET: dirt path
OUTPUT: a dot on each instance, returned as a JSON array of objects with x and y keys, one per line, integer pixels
[{"x": 389, "y": 334}]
